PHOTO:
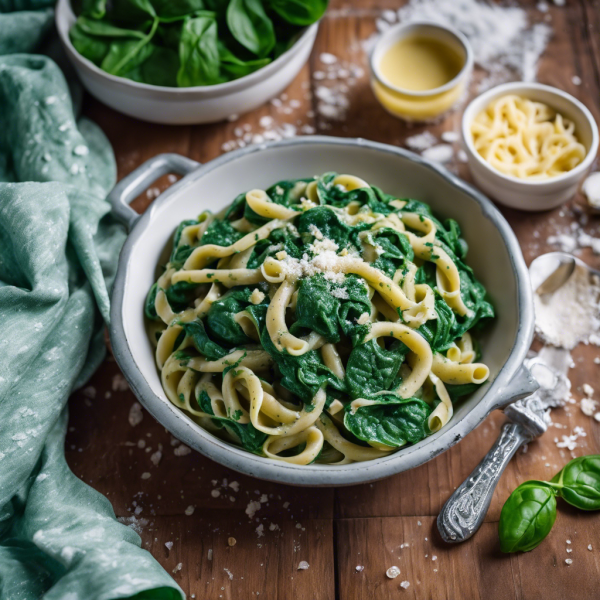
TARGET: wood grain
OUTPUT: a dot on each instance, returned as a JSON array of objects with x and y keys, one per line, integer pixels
[{"x": 197, "y": 505}]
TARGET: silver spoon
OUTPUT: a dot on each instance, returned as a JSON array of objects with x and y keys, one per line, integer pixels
[{"x": 551, "y": 271}]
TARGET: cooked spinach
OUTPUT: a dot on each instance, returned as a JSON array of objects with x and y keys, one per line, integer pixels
[
  {"x": 393, "y": 421},
  {"x": 188, "y": 43}
]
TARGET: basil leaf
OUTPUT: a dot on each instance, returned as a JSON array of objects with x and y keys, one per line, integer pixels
[
  {"x": 198, "y": 53},
  {"x": 299, "y": 12},
  {"x": 579, "y": 482},
  {"x": 250, "y": 26},
  {"x": 527, "y": 517},
  {"x": 394, "y": 421}
]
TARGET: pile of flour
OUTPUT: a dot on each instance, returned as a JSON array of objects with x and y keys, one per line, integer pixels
[{"x": 571, "y": 314}]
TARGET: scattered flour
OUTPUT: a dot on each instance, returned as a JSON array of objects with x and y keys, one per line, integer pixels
[
  {"x": 421, "y": 141},
  {"x": 571, "y": 314},
  {"x": 504, "y": 42},
  {"x": 441, "y": 153},
  {"x": 135, "y": 414}
]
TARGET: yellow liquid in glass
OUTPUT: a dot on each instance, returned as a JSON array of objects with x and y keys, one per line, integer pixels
[{"x": 419, "y": 63}]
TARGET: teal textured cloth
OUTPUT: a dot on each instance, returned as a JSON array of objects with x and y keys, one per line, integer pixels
[{"x": 59, "y": 539}]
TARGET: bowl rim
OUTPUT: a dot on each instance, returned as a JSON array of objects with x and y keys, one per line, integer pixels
[
  {"x": 64, "y": 13},
  {"x": 401, "y": 30},
  {"x": 324, "y": 475},
  {"x": 523, "y": 87}
]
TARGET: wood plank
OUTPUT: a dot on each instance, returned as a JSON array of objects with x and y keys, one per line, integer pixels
[{"x": 203, "y": 562}]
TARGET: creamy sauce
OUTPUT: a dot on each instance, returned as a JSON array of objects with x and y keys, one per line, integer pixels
[{"x": 420, "y": 63}]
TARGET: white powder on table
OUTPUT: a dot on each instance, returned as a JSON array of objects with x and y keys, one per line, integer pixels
[
  {"x": 571, "y": 314},
  {"x": 504, "y": 42},
  {"x": 591, "y": 189},
  {"x": 421, "y": 141}
]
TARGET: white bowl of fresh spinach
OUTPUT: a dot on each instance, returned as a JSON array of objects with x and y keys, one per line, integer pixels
[{"x": 187, "y": 61}]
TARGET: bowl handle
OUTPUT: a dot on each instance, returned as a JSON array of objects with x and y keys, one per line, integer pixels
[
  {"x": 132, "y": 185},
  {"x": 522, "y": 384}
]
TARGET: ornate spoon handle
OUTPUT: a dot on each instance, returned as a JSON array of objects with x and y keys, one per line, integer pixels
[{"x": 465, "y": 510}]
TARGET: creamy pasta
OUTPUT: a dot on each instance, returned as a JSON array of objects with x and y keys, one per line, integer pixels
[
  {"x": 320, "y": 320},
  {"x": 526, "y": 139}
]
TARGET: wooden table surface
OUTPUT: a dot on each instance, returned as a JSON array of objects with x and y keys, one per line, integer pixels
[{"x": 375, "y": 526}]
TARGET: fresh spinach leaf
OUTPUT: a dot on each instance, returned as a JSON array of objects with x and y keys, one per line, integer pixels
[
  {"x": 90, "y": 47},
  {"x": 149, "y": 309},
  {"x": 95, "y": 9},
  {"x": 299, "y": 12},
  {"x": 234, "y": 67},
  {"x": 106, "y": 29},
  {"x": 250, "y": 26},
  {"x": 527, "y": 517},
  {"x": 220, "y": 321},
  {"x": 317, "y": 309},
  {"x": 198, "y": 53}
]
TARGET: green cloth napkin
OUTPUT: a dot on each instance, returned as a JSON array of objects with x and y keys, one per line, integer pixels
[{"x": 59, "y": 539}]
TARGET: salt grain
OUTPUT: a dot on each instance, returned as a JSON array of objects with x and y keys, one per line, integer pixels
[
  {"x": 181, "y": 450},
  {"x": 189, "y": 511},
  {"x": 421, "y": 141},
  {"x": 135, "y": 414},
  {"x": 359, "y": 568},
  {"x": 441, "y": 153},
  {"x": 169, "y": 545},
  {"x": 569, "y": 561},
  {"x": 146, "y": 475},
  {"x": 215, "y": 493},
  {"x": 231, "y": 542},
  {"x": 393, "y": 572},
  {"x": 303, "y": 565},
  {"x": 327, "y": 59}
]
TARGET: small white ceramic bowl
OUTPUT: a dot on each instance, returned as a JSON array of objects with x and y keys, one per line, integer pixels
[
  {"x": 520, "y": 193},
  {"x": 185, "y": 106},
  {"x": 421, "y": 105}
]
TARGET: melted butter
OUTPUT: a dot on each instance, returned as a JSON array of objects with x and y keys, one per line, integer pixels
[{"x": 420, "y": 63}]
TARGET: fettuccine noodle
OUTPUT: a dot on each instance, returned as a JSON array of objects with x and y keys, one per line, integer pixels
[{"x": 526, "y": 139}]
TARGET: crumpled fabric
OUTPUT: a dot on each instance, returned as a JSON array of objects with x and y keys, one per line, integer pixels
[{"x": 59, "y": 539}]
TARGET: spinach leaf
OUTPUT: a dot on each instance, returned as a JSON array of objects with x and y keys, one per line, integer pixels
[
  {"x": 106, "y": 29},
  {"x": 123, "y": 56},
  {"x": 177, "y": 9},
  {"x": 317, "y": 308},
  {"x": 209, "y": 349},
  {"x": 579, "y": 482},
  {"x": 299, "y": 12},
  {"x": 90, "y": 47},
  {"x": 160, "y": 68},
  {"x": 250, "y": 438},
  {"x": 93, "y": 8},
  {"x": 149, "y": 309},
  {"x": 527, "y": 517},
  {"x": 198, "y": 53},
  {"x": 250, "y": 26},
  {"x": 330, "y": 225},
  {"x": 220, "y": 321},
  {"x": 131, "y": 11},
  {"x": 221, "y": 233},
  {"x": 352, "y": 307},
  {"x": 371, "y": 368},
  {"x": 180, "y": 295},
  {"x": 394, "y": 421},
  {"x": 394, "y": 250},
  {"x": 234, "y": 67}
]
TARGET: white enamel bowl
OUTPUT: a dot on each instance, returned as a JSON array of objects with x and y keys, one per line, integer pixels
[
  {"x": 494, "y": 255},
  {"x": 520, "y": 193},
  {"x": 185, "y": 106}
]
